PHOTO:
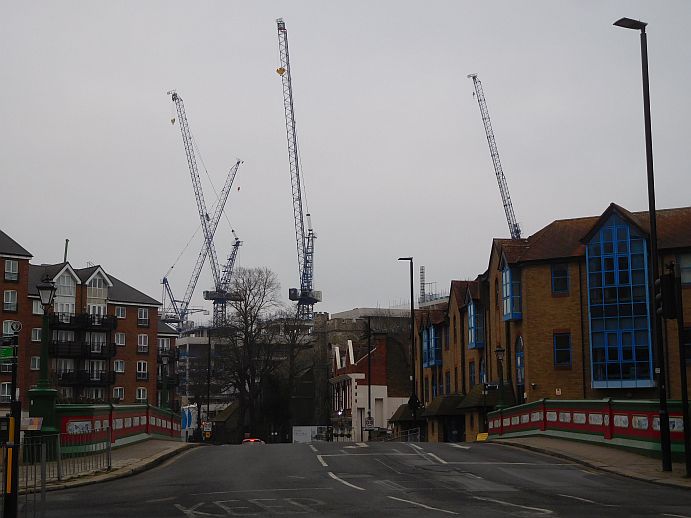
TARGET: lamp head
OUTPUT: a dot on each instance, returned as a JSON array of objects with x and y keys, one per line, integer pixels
[
  {"x": 46, "y": 290},
  {"x": 499, "y": 351},
  {"x": 628, "y": 23}
]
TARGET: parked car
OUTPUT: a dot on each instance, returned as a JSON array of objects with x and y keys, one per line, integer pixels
[{"x": 252, "y": 440}]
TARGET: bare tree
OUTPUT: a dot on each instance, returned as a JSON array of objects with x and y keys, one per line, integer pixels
[{"x": 248, "y": 349}]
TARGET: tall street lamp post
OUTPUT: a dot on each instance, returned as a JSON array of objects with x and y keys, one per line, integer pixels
[
  {"x": 413, "y": 402},
  {"x": 499, "y": 351},
  {"x": 43, "y": 397},
  {"x": 658, "y": 344}
]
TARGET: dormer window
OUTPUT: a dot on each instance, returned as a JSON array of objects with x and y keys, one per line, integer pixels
[
  {"x": 476, "y": 326},
  {"x": 511, "y": 291},
  {"x": 97, "y": 289}
]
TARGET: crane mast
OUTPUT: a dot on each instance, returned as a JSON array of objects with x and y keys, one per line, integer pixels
[
  {"x": 514, "y": 228},
  {"x": 306, "y": 297},
  {"x": 196, "y": 184},
  {"x": 220, "y": 294}
]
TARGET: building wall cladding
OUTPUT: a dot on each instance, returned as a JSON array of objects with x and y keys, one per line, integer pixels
[{"x": 544, "y": 313}]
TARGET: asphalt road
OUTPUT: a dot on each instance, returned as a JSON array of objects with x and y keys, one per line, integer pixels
[{"x": 379, "y": 479}]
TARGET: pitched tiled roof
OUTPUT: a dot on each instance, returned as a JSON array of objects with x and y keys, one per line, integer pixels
[
  {"x": 119, "y": 292},
  {"x": 38, "y": 272},
  {"x": 565, "y": 238},
  {"x": 458, "y": 291},
  {"x": 9, "y": 246},
  {"x": 425, "y": 317},
  {"x": 474, "y": 289},
  {"x": 444, "y": 406}
]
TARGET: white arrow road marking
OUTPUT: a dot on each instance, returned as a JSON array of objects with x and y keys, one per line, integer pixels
[
  {"x": 344, "y": 482},
  {"x": 455, "y": 445},
  {"x": 313, "y": 448},
  {"x": 322, "y": 461},
  {"x": 501, "y": 502},
  {"x": 422, "y": 505},
  {"x": 440, "y": 461}
]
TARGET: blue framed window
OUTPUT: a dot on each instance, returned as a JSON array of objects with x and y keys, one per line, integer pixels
[
  {"x": 685, "y": 267},
  {"x": 434, "y": 386},
  {"x": 476, "y": 326},
  {"x": 483, "y": 371},
  {"x": 618, "y": 307},
  {"x": 562, "y": 349},
  {"x": 471, "y": 374},
  {"x": 511, "y": 293},
  {"x": 560, "y": 279},
  {"x": 435, "y": 346},
  {"x": 425, "y": 347}
]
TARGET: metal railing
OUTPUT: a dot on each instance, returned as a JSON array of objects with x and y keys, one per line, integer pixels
[
  {"x": 412, "y": 435},
  {"x": 53, "y": 458}
]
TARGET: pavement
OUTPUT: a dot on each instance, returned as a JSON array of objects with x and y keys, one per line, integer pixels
[
  {"x": 606, "y": 458},
  {"x": 128, "y": 460}
]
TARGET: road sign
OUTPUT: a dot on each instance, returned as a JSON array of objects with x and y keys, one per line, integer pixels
[
  {"x": 369, "y": 423},
  {"x": 6, "y": 352},
  {"x": 16, "y": 326}
]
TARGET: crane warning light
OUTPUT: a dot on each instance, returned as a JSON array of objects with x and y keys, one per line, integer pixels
[{"x": 280, "y": 71}]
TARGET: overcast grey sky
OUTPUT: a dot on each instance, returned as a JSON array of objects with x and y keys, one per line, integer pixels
[{"x": 393, "y": 150}]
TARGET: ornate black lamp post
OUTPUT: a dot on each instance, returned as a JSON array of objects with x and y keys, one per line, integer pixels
[{"x": 42, "y": 398}]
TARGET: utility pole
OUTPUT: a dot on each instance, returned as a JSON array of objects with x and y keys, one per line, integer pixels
[{"x": 369, "y": 376}]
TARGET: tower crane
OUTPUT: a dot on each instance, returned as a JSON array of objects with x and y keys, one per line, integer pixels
[
  {"x": 514, "y": 228},
  {"x": 305, "y": 296},
  {"x": 220, "y": 294}
]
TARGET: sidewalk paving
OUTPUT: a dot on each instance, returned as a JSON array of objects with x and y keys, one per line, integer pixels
[
  {"x": 605, "y": 458},
  {"x": 129, "y": 460}
]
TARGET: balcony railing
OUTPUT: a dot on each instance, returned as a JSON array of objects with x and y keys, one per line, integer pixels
[
  {"x": 168, "y": 355},
  {"x": 82, "y": 321},
  {"x": 9, "y": 306},
  {"x": 143, "y": 322},
  {"x": 167, "y": 381},
  {"x": 11, "y": 276},
  {"x": 85, "y": 378},
  {"x": 58, "y": 349},
  {"x": 142, "y": 376},
  {"x": 142, "y": 348}
]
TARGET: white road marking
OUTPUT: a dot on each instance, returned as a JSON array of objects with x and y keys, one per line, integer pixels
[
  {"x": 313, "y": 448},
  {"x": 263, "y": 490},
  {"x": 440, "y": 461},
  {"x": 423, "y": 505},
  {"x": 385, "y": 464},
  {"x": 322, "y": 461},
  {"x": 473, "y": 475},
  {"x": 577, "y": 498},
  {"x": 161, "y": 500},
  {"x": 677, "y": 515},
  {"x": 501, "y": 502},
  {"x": 459, "y": 446},
  {"x": 511, "y": 463},
  {"x": 586, "y": 500},
  {"x": 344, "y": 482},
  {"x": 416, "y": 447},
  {"x": 368, "y": 454},
  {"x": 362, "y": 444}
]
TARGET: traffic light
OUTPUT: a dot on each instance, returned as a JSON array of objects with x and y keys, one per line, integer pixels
[{"x": 666, "y": 297}]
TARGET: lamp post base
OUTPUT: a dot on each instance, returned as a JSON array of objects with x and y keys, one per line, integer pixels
[{"x": 42, "y": 404}]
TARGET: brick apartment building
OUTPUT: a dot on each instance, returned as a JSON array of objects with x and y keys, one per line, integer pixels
[
  {"x": 568, "y": 310},
  {"x": 106, "y": 345}
]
